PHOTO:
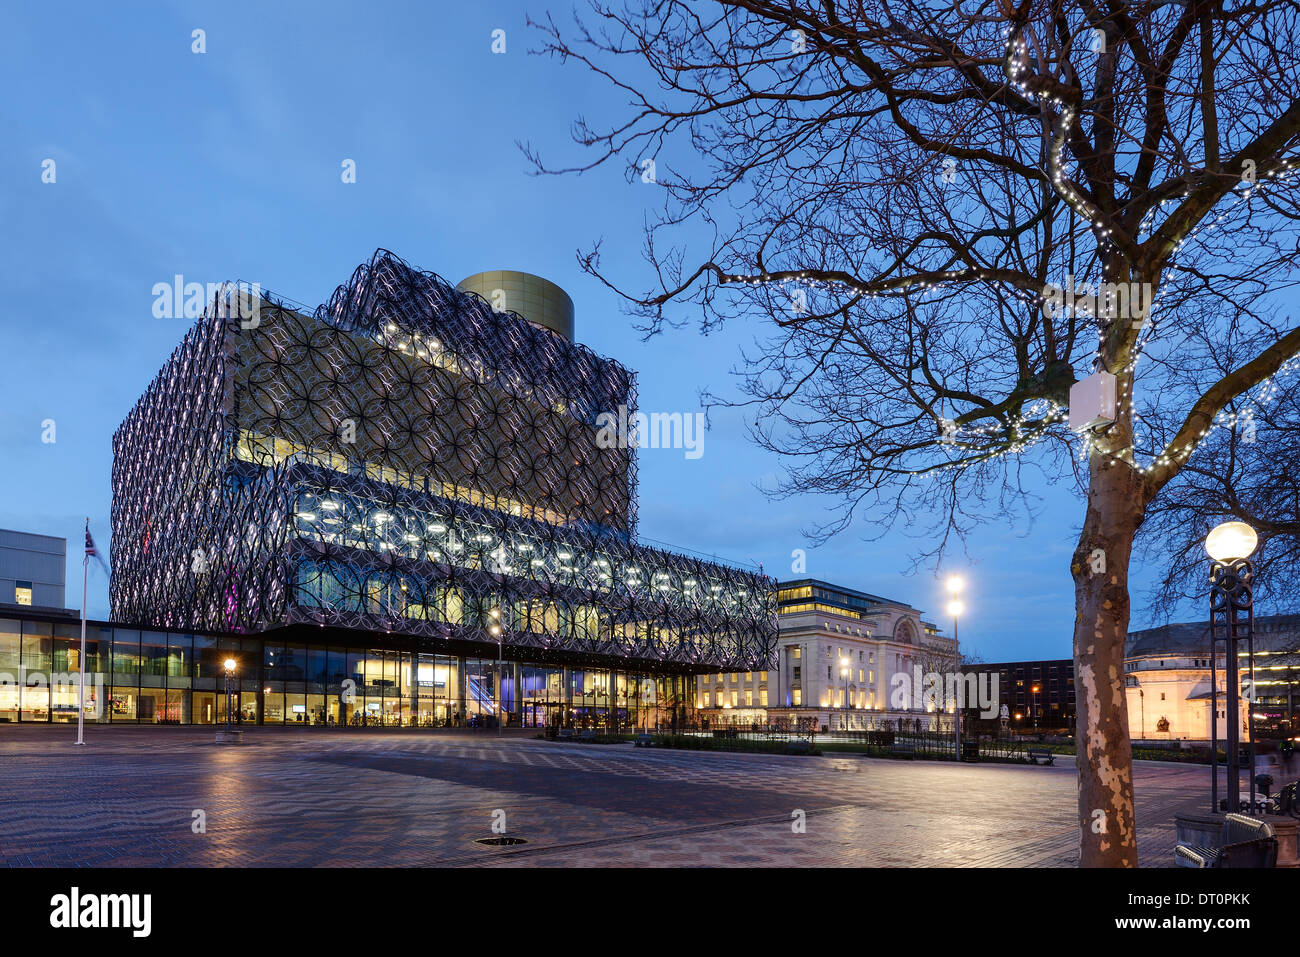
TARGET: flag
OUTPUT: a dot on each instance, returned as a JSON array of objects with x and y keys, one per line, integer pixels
[{"x": 91, "y": 550}]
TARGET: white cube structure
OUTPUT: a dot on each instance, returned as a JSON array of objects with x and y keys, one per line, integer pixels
[{"x": 1092, "y": 402}]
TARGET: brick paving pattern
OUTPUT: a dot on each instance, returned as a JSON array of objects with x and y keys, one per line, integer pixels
[{"x": 372, "y": 798}]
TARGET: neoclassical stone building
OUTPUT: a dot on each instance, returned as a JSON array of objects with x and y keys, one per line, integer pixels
[
  {"x": 839, "y": 651},
  {"x": 1168, "y": 680}
]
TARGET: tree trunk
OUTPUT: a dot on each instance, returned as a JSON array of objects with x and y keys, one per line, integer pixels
[{"x": 1107, "y": 829}]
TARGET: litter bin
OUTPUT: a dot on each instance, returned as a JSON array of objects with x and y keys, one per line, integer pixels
[{"x": 970, "y": 750}]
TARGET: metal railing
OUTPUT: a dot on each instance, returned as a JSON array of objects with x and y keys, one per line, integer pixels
[{"x": 932, "y": 745}]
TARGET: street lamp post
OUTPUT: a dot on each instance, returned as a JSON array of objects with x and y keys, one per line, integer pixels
[
  {"x": 1142, "y": 707},
  {"x": 1232, "y": 618},
  {"x": 955, "y": 608},
  {"x": 230, "y": 673},
  {"x": 501, "y": 697}
]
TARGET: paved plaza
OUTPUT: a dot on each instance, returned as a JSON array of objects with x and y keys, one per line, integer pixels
[{"x": 374, "y": 798}]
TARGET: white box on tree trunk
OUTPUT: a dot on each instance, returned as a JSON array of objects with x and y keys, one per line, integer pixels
[{"x": 1092, "y": 402}]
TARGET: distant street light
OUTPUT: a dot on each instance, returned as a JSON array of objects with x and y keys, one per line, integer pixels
[
  {"x": 956, "y": 607},
  {"x": 501, "y": 696},
  {"x": 1232, "y": 611},
  {"x": 230, "y": 665},
  {"x": 1133, "y": 682}
]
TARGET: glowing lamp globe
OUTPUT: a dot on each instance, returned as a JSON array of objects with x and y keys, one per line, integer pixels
[
  {"x": 956, "y": 607},
  {"x": 1231, "y": 541}
]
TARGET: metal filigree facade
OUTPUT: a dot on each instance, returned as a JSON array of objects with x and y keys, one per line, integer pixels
[{"x": 405, "y": 460}]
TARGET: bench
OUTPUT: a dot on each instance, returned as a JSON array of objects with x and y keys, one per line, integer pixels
[
  {"x": 643, "y": 741},
  {"x": 566, "y": 734},
  {"x": 1243, "y": 854},
  {"x": 587, "y": 735},
  {"x": 902, "y": 751},
  {"x": 798, "y": 746},
  {"x": 1033, "y": 754},
  {"x": 1238, "y": 828},
  {"x": 1247, "y": 842}
]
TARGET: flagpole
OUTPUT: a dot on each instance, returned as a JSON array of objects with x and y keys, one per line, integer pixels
[{"x": 81, "y": 661}]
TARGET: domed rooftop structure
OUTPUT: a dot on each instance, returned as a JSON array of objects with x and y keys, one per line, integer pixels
[{"x": 1272, "y": 633}]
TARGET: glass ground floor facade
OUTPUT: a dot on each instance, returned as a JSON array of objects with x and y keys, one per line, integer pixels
[{"x": 142, "y": 676}]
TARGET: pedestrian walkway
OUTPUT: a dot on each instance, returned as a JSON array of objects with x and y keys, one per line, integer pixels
[{"x": 132, "y": 796}]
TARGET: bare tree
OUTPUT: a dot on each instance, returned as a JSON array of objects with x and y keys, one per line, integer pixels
[
  {"x": 1248, "y": 473},
  {"x": 892, "y": 189}
]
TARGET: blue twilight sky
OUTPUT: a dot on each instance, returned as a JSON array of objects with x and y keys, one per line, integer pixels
[{"x": 227, "y": 165}]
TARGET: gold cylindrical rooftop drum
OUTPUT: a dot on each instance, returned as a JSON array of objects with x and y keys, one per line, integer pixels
[{"x": 538, "y": 300}]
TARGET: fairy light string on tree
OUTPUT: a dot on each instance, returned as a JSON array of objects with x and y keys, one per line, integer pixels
[{"x": 1022, "y": 430}]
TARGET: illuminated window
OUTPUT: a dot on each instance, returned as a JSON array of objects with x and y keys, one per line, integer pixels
[
  {"x": 23, "y": 593},
  {"x": 706, "y": 700},
  {"x": 735, "y": 698},
  {"x": 762, "y": 697},
  {"x": 797, "y": 697},
  {"x": 749, "y": 698}
]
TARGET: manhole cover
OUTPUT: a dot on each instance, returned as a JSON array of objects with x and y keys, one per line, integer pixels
[{"x": 501, "y": 841}]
